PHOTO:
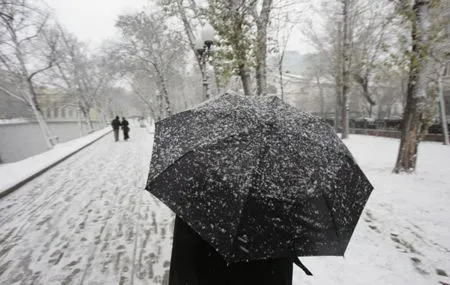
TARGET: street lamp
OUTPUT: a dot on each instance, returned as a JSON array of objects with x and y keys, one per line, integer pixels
[{"x": 203, "y": 52}]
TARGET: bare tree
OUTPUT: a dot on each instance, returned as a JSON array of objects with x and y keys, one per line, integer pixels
[
  {"x": 153, "y": 48},
  {"x": 440, "y": 56},
  {"x": 72, "y": 74},
  {"x": 262, "y": 21},
  {"x": 353, "y": 41},
  {"x": 145, "y": 95},
  {"x": 372, "y": 33},
  {"x": 417, "y": 15},
  {"x": 347, "y": 37},
  {"x": 188, "y": 14},
  {"x": 317, "y": 72},
  {"x": 328, "y": 41},
  {"x": 27, "y": 50},
  {"x": 282, "y": 33}
]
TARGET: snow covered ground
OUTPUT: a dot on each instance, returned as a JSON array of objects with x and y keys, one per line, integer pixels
[
  {"x": 13, "y": 173},
  {"x": 89, "y": 221},
  {"x": 13, "y": 121},
  {"x": 403, "y": 236}
]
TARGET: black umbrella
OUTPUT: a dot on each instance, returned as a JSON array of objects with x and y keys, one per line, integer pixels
[{"x": 258, "y": 179}]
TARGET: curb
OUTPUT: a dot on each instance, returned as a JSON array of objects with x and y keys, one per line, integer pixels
[
  {"x": 38, "y": 173},
  {"x": 394, "y": 134}
]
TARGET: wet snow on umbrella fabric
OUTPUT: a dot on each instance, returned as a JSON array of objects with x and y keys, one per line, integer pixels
[
  {"x": 258, "y": 178},
  {"x": 312, "y": 191},
  {"x": 185, "y": 131},
  {"x": 208, "y": 188}
]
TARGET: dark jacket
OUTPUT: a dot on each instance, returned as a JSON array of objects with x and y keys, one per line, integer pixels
[
  {"x": 195, "y": 262},
  {"x": 125, "y": 125},
  {"x": 115, "y": 124}
]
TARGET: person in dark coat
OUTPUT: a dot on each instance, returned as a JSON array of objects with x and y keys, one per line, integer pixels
[
  {"x": 125, "y": 128},
  {"x": 195, "y": 262},
  {"x": 116, "y": 126}
]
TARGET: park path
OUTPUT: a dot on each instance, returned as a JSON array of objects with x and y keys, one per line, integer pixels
[{"x": 88, "y": 221}]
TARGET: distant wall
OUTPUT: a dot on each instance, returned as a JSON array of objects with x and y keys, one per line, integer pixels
[{"x": 22, "y": 140}]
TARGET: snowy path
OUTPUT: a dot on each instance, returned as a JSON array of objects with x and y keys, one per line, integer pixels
[{"x": 88, "y": 221}]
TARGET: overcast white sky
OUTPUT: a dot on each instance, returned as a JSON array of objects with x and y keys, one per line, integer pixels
[{"x": 93, "y": 20}]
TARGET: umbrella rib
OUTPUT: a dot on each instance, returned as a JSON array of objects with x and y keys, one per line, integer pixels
[
  {"x": 244, "y": 204},
  {"x": 167, "y": 168},
  {"x": 249, "y": 132},
  {"x": 334, "y": 222},
  {"x": 252, "y": 189}
]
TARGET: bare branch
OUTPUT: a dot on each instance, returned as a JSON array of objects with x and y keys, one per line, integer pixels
[
  {"x": 50, "y": 65},
  {"x": 13, "y": 95}
]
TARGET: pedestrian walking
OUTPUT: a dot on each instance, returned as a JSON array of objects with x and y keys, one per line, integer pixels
[
  {"x": 125, "y": 128},
  {"x": 116, "y": 126}
]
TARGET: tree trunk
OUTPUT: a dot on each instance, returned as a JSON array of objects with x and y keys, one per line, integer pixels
[
  {"x": 322, "y": 96},
  {"x": 363, "y": 81},
  {"x": 442, "y": 110},
  {"x": 245, "y": 78},
  {"x": 337, "y": 108},
  {"x": 417, "y": 89},
  {"x": 87, "y": 116},
  {"x": 159, "y": 102},
  {"x": 205, "y": 80},
  {"x": 80, "y": 126},
  {"x": 32, "y": 100},
  {"x": 345, "y": 115},
  {"x": 345, "y": 70},
  {"x": 338, "y": 76},
  {"x": 280, "y": 71},
  {"x": 166, "y": 98},
  {"x": 43, "y": 126},
  {"x": 262, "y": 22},
  {"x": 219, "y": 85},
  {"x": 100, "y": 108},
  {"x": 146, "y": 102},
  {"x": 164, "y": 93},
  {"x": 104, "y": 117}
]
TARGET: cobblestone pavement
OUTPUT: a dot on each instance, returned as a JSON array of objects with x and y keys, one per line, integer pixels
[{"x": 88, "y": 221}]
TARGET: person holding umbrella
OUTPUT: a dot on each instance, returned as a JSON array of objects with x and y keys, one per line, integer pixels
[
  {"x": 195, "y": 262},
  {"x": 254, "y": 183}
]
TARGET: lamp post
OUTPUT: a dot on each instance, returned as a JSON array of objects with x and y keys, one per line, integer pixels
[{"x": 203, "y": 52}]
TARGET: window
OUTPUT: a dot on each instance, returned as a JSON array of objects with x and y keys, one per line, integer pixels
[
  {"x": 63, "y": 113},
  {"x": 55, "y": 113},
  {"x": 70, "y": 113}
]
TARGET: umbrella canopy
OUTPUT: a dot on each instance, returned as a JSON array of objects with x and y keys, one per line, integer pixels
[{"x": 258, "y": 179}]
